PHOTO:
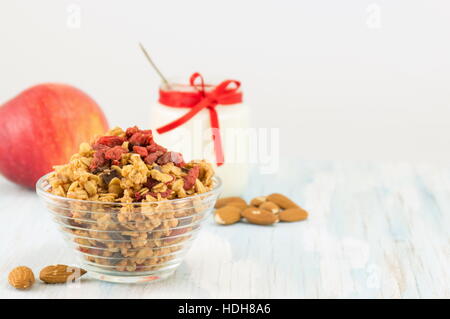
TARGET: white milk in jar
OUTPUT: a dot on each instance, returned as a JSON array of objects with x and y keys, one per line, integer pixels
[{"x": 193, "y": 138}]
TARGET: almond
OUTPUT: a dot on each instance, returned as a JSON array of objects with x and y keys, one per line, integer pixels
[
  {"x": 57, "y": 274},
  {"x": 221, "y": 202},
  {"x": 270, "y": 206},
  {"x": 257, "y": 201},
  {"x": 239, "y": 204},
  {"x": 258, "y": 216},
  {"x": 282, "y": 201},
  {"x": 293, "y": 214},
  {"x": 227, "y": 215},
  {"x": 21, "y": 277}
]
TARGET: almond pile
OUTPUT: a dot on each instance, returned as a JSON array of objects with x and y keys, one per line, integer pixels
[
  {"x": 23, "y": 278},
  {"x": 263, "y": 210}
]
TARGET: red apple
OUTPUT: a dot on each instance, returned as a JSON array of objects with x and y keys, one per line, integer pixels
[{"x": 43, "y": 126}]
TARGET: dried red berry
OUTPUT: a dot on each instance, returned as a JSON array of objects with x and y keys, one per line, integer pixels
[
  {"x": 110, "y": 141},
  {"x": 174, "y": 157},
  {"x": 99, "y": 160},
  {"x": 141, "y": 139},
  {"x": 167, "y": 193},
  {"x": 131, "y": 130},
  {"x": 189, "y": 179},
  {"x": 115, "y": 153},
  {"x": 151, "y": 158},
  {"x": 147, "y": 132},
  {"x": 115, "y": 162},
  {"x": 139, "y": 197},
  {"x": 151, "y": 182},
  {"x": 99, "y": 147},
  {"x": 142, "y": 151},
  {"x": 156, "y": 148}
]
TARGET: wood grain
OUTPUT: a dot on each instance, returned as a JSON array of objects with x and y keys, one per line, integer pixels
[{"x": 374, "y": 231}]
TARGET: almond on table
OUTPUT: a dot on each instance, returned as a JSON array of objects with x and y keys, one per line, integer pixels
[
  {"x": 281, "y": 200},
  {"x": 59, "y": 274},
  {"x": 227, "y": 215},
  {"x": 270, "y": 206},
  {"x": 238, "y": 204},
  {"x": 259, "y": 216},
  {"x": 293, "y": 215},
  {"x": 258, "y": 201},
  {"x": 21, "y": 277},
  {"x": 221, "y": 202}
]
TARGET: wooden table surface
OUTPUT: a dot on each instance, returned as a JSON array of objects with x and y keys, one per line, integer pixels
[{"x": 375, "y": 231}]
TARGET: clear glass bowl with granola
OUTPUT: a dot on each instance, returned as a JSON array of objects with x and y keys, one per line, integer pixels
[{"x": 129, "y": 207}]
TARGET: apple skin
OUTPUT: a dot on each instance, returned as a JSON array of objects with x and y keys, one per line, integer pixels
[{"x": 42, "y": 127}]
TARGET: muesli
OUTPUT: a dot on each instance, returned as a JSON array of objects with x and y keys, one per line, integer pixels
[{"x": 123, "y": 217}]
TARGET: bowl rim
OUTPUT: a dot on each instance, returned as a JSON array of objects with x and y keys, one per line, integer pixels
[{"x": 44, "y": 194}]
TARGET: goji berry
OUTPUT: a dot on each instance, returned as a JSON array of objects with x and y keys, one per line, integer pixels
[
  {"x": 174, "y": 157},
  {"x": 189, "y": 179},
  {"x": 156, "y": 148},
  {"x": 98, "y": 160},
  {"x": 110, "y": 141},
  {"x": 142, "y": 151},
  {"x": 115, "y": 153},
  {"x": 151, "y": 158},
  {"x": 139, "y": 197},
  {"x": 131, "y": 130},
  {"x": 141, "y": 139},
  {"x": 98, "y": 147}
]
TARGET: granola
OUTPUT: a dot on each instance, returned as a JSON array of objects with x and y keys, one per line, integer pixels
[{"x": 126, "y": 220}]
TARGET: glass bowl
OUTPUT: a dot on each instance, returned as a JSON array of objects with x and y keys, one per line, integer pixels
[{"x": 129, "y": 242}]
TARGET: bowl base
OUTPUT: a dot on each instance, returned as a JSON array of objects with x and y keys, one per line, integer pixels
[{"x": 134, "y": 279}]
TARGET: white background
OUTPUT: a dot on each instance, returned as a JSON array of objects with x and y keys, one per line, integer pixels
[{"x": 342, "y": 79}]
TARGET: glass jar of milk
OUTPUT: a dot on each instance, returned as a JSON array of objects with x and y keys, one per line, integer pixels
[{"x": 194, "y": 137}]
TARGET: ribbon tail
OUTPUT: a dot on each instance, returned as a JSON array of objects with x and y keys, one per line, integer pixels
[
  {"x": 214, "y": 119},
  {"x": 186, "y": 117}
]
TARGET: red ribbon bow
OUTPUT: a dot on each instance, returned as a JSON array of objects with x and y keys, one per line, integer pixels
[{"x": 201, "y": 99}]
